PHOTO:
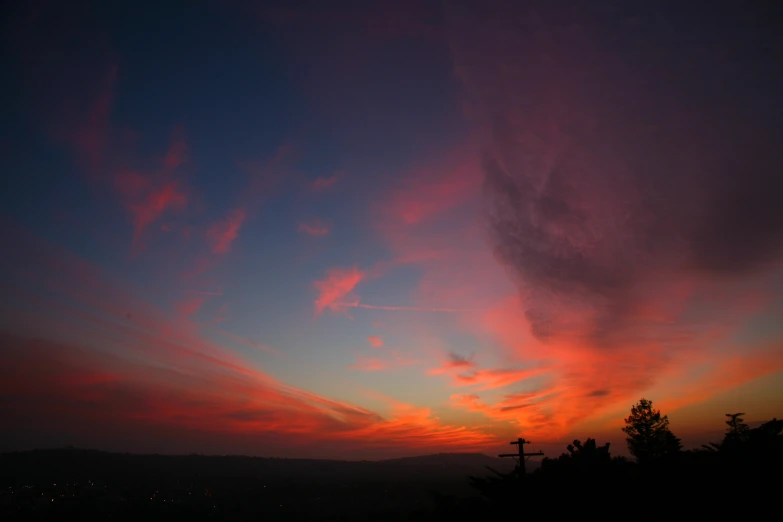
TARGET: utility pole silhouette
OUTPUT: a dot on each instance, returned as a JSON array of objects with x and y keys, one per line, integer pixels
[{"x": 521, "y": 455}]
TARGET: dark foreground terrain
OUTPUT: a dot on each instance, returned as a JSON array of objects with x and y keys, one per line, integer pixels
[
  {"x": 737, "y": 478},
  {"x": 77, "y": 484}
]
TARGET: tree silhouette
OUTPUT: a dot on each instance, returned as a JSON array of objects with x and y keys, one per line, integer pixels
[
  {"x": 737, "y": 431},
  {"x": 737, "y": 427},
  {"x": 649, "y": 436}
]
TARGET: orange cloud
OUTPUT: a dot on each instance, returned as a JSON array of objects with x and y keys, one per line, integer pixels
[
  {"x": 715, "y": 374},
  {"x": 222, "y": 234},
  {"x": 464, "y": 372},
  {"x": 315, "y": 228},
  {"x": 527, "y": 411},
  {"x": 375, "y": 342},
  {"x": 338, "y": 284},
  {"x": 495, "y": 378},
  {"x": 419, "y": 428}
]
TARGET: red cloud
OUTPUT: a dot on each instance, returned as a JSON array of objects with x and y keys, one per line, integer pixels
[
  {"x": 315, "y": 228},
  {"x": 337, "y": 284},
  {"x": 222, "y": 234},
  {"x": 375, "y": 342}
]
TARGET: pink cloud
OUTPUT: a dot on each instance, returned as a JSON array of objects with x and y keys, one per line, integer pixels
[
  {"x": 337, "y": 284},
  {"x": 375, "y": 342},
  {"x": 428, "y": 192},
  {"x": 190, "y": 305},
  {"x": 154, "y": 204},
  {"x": 322, "y": 183},
  {"x": 314, "y": 228},
  {"x": 176, "y": 155},
  {"x": 222, "y": 234},
  {"x": 105, "y": 153}
]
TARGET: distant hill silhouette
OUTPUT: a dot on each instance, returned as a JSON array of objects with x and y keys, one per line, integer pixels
[
  {"x": 91, "y": 463},
  {"x": 63, "y": 483}
]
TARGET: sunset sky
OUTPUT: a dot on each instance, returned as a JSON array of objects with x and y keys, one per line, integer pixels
[{"x": 377, "y": 229}]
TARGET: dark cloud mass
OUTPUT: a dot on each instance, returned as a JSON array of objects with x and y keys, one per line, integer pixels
[{"x": 626, "y": 147}]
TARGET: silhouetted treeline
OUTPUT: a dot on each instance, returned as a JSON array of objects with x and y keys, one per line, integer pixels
[{"x": 739, "y": 475}]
